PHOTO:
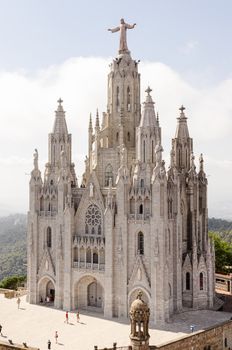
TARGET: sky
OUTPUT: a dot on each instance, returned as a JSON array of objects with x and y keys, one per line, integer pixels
[{"x": 54, "y": 48}]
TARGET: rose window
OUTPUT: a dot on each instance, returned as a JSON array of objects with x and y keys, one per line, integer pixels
[{"x": 93, "y": 220}]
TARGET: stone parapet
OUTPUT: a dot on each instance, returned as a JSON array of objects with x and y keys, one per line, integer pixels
[{"x": 6, "y": 346}]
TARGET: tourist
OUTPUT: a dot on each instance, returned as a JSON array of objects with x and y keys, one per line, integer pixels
[
  {"x": 18, "y": 302},
  {"x": 56, "y": 336},
  {"x": 66, "y": 317},
  {"x": 1, "y": 330},
  {"x": 49, "y": 344},
  {"x": 78, "y": 316}
]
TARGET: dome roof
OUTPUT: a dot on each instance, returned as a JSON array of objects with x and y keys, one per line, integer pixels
[{"x": 138, "y": 304}]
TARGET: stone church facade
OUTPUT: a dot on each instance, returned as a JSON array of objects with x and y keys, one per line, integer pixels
[{"x": 132, "y": 224}]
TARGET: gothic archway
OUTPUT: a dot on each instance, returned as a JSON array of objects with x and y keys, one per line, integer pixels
[
  {"x": 46, "y": 291},
  {"x": 88, "y": 294}
]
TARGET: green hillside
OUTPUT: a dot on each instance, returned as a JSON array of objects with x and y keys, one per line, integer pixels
[
  {"x": 13, "y": 242},
  {"x": 13, "y": 245}
]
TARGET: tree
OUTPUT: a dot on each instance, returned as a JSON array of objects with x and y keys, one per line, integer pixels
[
  {"x": 223, "y": 253},
  {"x": 12, "y": 282}
]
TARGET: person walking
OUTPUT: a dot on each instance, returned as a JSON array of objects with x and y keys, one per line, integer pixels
[
  {"x": 66, "y": 317},
  {"x": 78, "y": 316},
  {"x": 18, "y": 302},
  {"x": 1, "y": 330},
  {"x": 56, "y": 336},
  {"x": 49, "y": 344}
]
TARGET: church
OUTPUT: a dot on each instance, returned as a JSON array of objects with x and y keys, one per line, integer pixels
[{"x": 133, "y": 223}]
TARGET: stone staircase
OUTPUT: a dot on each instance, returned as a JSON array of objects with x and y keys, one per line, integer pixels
[{"x": 218, "y": 303}]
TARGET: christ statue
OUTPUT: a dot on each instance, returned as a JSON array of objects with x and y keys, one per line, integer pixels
[{"x": 123, "y": 28}]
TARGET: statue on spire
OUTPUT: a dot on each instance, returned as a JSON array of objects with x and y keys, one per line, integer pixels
[
  {"x": 123, "y": 28},
  {"x": 35, "y": 161}
]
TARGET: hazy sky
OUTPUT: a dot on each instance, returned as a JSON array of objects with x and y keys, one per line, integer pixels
[{"x": 53, "y": 48}]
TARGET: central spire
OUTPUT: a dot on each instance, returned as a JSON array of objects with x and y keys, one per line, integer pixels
[
  {"x": 60, "y": 126},
  {"x": 122, "y": 28}
]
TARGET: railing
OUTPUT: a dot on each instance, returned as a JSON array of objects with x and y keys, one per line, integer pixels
[
  {"x": 47, "y": 213},
  {"x": 88, "y": 266},
  {"x": 139, "y": 217},
  {"x": 91, "y": 240}
]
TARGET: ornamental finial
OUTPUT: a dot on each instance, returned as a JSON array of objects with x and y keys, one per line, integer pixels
[
  {"x": 148, "y": 90},
  {"x": 60, "y": 101},
  {"x": 182, "y": 108}
]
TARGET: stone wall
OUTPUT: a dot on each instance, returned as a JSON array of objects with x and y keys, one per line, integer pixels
[
  {"x": 213, "y": 338},
  {"x": 7, "y": 346}
]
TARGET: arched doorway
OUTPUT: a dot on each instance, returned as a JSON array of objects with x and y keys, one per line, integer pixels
[
  {"x": 50, "y": 292},
  {"x": 88, "y": 294},
  {"x": 94, "y": 297},
  {"x": 46, "y": 291}
]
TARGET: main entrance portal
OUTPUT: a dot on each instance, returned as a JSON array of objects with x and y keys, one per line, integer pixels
[{"x": 95, "y": 295}]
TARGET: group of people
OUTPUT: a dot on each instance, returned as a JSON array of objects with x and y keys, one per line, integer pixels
[
  {"x": 66, "y": 321},
  {"x": 67, "y": 317}
]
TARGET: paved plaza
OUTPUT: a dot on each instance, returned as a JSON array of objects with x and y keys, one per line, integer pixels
[{"x": 36, "y": 324}]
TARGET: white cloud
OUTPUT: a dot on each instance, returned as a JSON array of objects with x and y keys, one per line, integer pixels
[{"x": 27, "y": 116}]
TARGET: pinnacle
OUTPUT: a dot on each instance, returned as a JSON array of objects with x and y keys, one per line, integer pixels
[{"x": 60, "y": 126}]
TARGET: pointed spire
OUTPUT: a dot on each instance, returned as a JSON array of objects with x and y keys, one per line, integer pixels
[
  {"x": 148, "y": 118},
  {"x": 182, "y": 127},
  {"x": 157, "y": 118},
  {"x": 90, "y": 122},
  {"x": 201, "y": 163},
  {"x": 97, "y": 124},
  {"x": 60, "y": 126}
]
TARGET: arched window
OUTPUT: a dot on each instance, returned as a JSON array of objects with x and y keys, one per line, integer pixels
[
  {"x": 108, "y": 175},
  {"x": 88, "y": 255},
  {"x": 95, "y": 258},
  {"x": 75, "y": 254},
  {"x": 117, "y": 137},
  {"x": 144, "y": 151},
  {"x": 128, "y": 99},
  {"x": 142, "y": 183},
  {"x": 152, "y": 151},
  {"x": 201, "y": 281},
  {"x": 93, "y": 220},
  {"x": 117, "y": 99},
  {"x": 141, "y": 209},
  {"x": 140, "y": 243},
  {"x": 49, "y": 237},
  {"x": 187, "y": 281},
  {"x": 179, "y": 157},
  {"x": 128, "y": 136}
]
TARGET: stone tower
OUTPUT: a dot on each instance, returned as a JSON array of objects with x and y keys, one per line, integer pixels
[{"x": 131, "y": 224}]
